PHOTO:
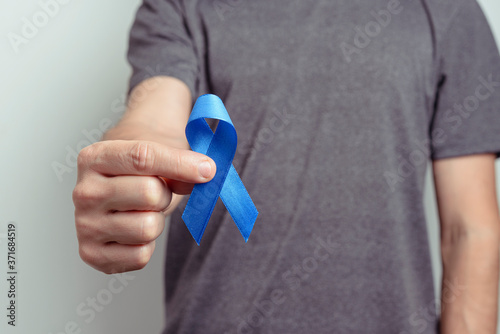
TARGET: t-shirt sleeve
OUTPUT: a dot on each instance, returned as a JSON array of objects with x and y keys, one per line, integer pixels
[
  {"x": 160, "y": 44},
  {"x": 466, "y": 117}
]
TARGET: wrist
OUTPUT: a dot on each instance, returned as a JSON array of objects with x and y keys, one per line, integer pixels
[{"x": 127, "y": 130}]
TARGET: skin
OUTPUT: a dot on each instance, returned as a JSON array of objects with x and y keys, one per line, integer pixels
[
  {"x": 468, "y": 210},
  {"x": 131, "y": 180}
]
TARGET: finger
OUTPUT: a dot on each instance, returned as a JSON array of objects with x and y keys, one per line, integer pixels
[
  {"x": 143, "y": 193},
  {"x": 119, "y": 157},
  {"x": 133, "y": 227},
  {"x": 117, "y": 258},
  {"x": 91, "y": 192}
]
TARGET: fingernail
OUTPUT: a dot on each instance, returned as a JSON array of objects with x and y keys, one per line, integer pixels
[{"x": 205, "y": 169}]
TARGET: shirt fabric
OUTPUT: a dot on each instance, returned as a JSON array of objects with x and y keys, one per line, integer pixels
[{"x": 338, "y": 105}]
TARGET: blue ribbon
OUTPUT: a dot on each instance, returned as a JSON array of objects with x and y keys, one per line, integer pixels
[{"x": 221, "y": 147}]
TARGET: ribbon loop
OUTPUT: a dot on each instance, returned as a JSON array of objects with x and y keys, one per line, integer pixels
[{"x": 226, "y": 184}]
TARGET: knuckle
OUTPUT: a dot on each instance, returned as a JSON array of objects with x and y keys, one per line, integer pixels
[
  {"x": 149, "y": 228},
  {"x": 143, "y": 257},
  {"x": 89, "y": 228},
  {"x": 86, "y": 155},
  {"x": 85, "y": 197},
  {"x": 152, "y": 192},
  {"x": 83, "y": 228},
  {"x": 142, "y": 156},
  {"x": 79, "y": 194}
]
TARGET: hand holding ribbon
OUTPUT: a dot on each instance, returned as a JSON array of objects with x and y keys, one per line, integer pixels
[{"x": 221, "y": 147}]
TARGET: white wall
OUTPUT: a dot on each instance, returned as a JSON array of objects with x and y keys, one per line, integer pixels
[
  {"x": 69, "y": 78},
  {"x": 71, "y": 75}
]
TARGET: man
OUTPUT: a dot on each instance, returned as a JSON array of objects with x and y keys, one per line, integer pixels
[{"x": 338, "y": 107}]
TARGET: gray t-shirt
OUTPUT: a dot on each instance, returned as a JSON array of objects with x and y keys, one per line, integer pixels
[{"x": 338, "y": 106}]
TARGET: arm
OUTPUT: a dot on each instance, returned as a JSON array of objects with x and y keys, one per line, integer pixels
[
  {"x": 470, "y": 227},
  {"x": 159, "y": 106}
]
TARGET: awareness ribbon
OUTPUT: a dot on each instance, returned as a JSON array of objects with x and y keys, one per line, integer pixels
[{"x": 221, "y": 147}]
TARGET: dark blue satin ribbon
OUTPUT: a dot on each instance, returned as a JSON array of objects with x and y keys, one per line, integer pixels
[{"x": 221, "y": 147}]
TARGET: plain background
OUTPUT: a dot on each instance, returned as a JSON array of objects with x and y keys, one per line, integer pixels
[{"x": 60, "y": 88}]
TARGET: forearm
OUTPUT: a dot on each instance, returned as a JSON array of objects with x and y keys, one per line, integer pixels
[
  {"x": 158, "y": 108},
  {"x": 470, "y": 280},
  {"x": 468, "y": 212}
]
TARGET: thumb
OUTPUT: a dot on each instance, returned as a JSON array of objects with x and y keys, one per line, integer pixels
[{"x": 123, "y": 157}]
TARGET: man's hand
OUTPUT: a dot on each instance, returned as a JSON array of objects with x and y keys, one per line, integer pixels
[
  {"x": 129, "y": 182},
  {"x": 122, "y": 193}
]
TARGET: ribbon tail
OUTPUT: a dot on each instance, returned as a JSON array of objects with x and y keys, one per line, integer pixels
[
  {"x": 238, "y": 202},
  {"x": 199, "y": 208}
]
